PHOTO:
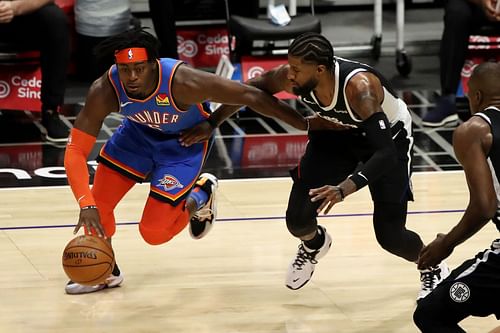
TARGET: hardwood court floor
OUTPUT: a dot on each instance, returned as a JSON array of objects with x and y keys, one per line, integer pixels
[{"x": 231, "y": 281}]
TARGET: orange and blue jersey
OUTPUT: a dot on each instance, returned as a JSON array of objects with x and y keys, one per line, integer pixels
[{"x": 146, "y": 145}]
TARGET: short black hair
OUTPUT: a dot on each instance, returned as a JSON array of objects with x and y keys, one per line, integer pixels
[
  {"x": 486, "y": 76},
  {"x": 313, "y": 47},
  {"x": 136, "y": 37}
]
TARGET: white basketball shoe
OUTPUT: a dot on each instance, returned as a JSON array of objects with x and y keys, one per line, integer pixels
[
  {"x": 203, "y": 220},
  {"x": 302, "y": 267},
  {"x": 431, "y": 277},
  {"x": 114, "y": 280}
]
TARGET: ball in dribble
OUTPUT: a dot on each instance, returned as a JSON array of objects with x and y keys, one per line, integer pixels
[{"x": 88, "y": 260}]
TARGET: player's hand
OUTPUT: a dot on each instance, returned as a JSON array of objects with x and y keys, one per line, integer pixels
[
  {"x": 89, "y": 219},
  {"x": 199, "y": 133},
  {"x": 318, "y": 122},
  {"x": 329, "y": 194},
  {"x": 432, "y": 254},
  {"x": 489, "y": 9},
  {"x": 6, "y": 11}
]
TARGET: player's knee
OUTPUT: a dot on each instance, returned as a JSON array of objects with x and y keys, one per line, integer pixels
[
  {"x": 154, "y": 236},
  {"x": 423, "y": 317},
  {"x": 299, "y": 224},
  {"x": 160, "y": 222},
  {"x": 388, "y": 240},
  {"x": 419, "y": 318}
]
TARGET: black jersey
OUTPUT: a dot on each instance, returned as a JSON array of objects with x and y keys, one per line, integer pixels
[{"x": 394, "y": 108}]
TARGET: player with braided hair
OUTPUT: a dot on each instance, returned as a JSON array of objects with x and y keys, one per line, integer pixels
[
  {"x": 159, "y": 99},
  {"x": 376, "y": 151}
]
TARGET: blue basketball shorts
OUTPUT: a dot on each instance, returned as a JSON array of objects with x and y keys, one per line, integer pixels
[{"x": 145, "y": 154}]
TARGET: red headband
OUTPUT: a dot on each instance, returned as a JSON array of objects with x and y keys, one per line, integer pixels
[{"x": 134, "y": 54}]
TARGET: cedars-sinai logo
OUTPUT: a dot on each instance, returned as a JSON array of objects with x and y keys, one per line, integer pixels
[
  {"x": 255, "y": 71},
  {"x": 4, "y": 89},
  {"x": 187, "y": 48}
]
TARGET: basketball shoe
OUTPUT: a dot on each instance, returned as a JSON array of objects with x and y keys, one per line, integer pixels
[
  {"x": 203, "y": 220},
  {"x": 431, "y": 277},
  {"x": 445, "y": 113},
  {"x": 302, "y": 267},
  {"x": 113, "y": 281}
]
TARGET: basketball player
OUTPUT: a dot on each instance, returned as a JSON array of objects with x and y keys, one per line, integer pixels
[
  {"x": 472, "y": 289},
  {"x": 159, "y": 98},
  {"x": 376, "y": 152}
]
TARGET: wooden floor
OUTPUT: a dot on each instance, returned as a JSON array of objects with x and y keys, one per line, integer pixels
[{"x": 232, "y": 280}]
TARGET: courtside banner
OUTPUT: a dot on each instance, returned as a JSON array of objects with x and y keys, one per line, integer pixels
[
  {"x": 273, "y": 150},
  {"x": 255, "y": 66},
  {"x": 20, "y": 87},
  {"x": 202, "y": 47}
]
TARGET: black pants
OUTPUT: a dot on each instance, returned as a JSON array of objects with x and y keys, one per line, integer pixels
[
  {"x": 461, "y": 19},
  {"x": 472, "y": 289},
  {"x": 329, "y": 158},
  {"x": 46, "y": 30}
]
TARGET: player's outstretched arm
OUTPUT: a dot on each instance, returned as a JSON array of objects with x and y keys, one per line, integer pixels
[
  {"x": 194, "y": 86},
  {"x": 101, "y": 100},
  {"x": 268, "y": 83}
]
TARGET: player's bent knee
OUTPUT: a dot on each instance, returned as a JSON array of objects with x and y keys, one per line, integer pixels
[
  {"x": 300, "y": 225},
  {"x": 388, "y": 242},
  {"x": 425, "y": 316},
  {"x": 161, "y": 221},
  {"x": 419, "y": 316},
  {"x": 154, "y": 236}
]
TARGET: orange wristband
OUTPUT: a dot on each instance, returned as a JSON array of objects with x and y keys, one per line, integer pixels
[{"x": 75, "y": 162}]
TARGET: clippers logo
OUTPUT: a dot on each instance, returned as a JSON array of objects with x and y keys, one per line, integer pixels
[
  {"x": 187, "y": 48},
  {"x": 4, "y": 89},
  {"x": 130, "y": 54},
  {"x": 254, "y": 71},
  {"x": 162, "y": 100},
  {"x": 459, "y": 292},
  {"x": 169, "y": 183}
]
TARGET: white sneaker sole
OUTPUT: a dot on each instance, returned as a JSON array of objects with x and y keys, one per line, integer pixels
[
  {"x": 447, "y": 120},
  {"x": 78, "y": 289}
]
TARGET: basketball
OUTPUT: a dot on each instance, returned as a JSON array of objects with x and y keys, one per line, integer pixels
[{"x": 88, "y": 260}]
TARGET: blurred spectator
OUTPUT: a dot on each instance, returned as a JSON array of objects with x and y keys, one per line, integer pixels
[
  {"x": 41, "y": 25},
  {"x": 95, "y": 20},
  {"x": 164, "y": 13},
  {"x": 461, "y": 19}
]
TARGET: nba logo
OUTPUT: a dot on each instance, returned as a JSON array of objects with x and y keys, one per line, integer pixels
[{"x": 130, "y": 54}]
